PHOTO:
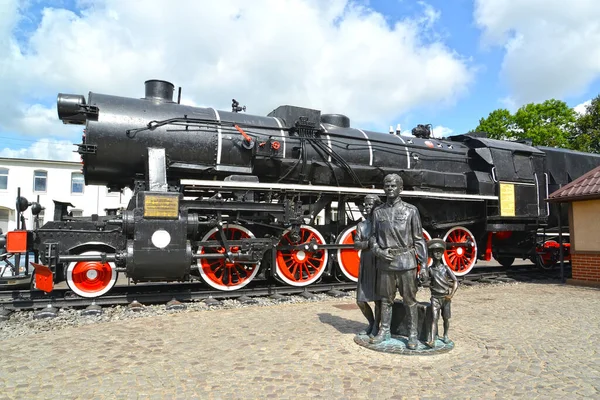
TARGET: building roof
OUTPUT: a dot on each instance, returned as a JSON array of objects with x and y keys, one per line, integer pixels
[
  {"x": 14, "y": 160},
  {"x": 586, "y": 187}
]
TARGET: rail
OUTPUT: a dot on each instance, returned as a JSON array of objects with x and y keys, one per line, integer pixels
[{"x": 186, "y": 292}]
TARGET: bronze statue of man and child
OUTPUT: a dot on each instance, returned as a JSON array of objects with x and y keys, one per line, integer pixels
[{"x": 393, "y": 246}]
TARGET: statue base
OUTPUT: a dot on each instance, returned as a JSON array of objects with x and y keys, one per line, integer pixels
[
  {"x": 399, "y": 333},
  {"x": 397, "y": 345}
]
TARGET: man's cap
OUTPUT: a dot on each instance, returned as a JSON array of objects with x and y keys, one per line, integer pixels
[{"x": 436, "y": 244}]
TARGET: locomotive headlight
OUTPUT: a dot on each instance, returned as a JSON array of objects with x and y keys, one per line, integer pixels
[
  {"x": 161, "y": 238},
  {"x": 71, "y": 108}
]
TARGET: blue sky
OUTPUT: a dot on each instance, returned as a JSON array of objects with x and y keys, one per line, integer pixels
[
  {"x": 457, "y": 27},
  {"x": 490, "y": 90},
  {"x": 448, "y": 63}
]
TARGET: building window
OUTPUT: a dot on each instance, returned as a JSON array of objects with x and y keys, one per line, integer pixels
[
  {"x": 4, "y": 219},
  {"x": 3, "y": 178},
  {"x": 77, "y": 182},
  {"x": 39, "y": 181}
]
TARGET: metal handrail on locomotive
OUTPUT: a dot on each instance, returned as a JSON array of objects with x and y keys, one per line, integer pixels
[{"x": 229, "y": 198}]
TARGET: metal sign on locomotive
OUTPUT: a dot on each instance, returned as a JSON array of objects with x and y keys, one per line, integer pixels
[{"x": 230, "y": 197}]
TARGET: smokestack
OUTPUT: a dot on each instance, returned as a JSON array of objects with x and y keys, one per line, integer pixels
[{"x": 159, "y": 90}]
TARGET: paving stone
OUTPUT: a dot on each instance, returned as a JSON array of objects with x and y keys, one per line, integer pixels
[{"x": 511, "y": 340}]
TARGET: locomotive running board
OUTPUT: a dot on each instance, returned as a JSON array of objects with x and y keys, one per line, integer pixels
[{"x": 326, "y": 189}]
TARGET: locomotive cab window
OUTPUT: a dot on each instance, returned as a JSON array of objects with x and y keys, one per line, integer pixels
[
  {"x": 77, "y": 182},
  {"x": 3, "y": 178},
  {"x": 523, "y": 168},
  {"x": 40, "y": 181}
]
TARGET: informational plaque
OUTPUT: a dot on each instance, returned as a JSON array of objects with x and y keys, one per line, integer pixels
[
  {"x": 507, "y": 200},
  {"x": 161, "y": 206}
]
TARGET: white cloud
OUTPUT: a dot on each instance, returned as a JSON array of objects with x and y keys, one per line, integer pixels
[
  {"x": 430, "y": 14},
  {"x": 335, "y": 56},
  {"x": 552, "y": 47},
  {"x": 38, "y": 120},
  {"x": 581, "y": 108},
  {"x": 442, "y": 131},
  {"x": 509, "y": 103},
  {"x": 45, "y": 149},
  {"x": 8, "y": 20}
]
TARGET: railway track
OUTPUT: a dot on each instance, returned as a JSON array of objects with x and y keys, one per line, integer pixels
[
  {"x": 511, "y": 274},
  {"x": 20, "y": 300},
  {"x": 15, "y": 300}
]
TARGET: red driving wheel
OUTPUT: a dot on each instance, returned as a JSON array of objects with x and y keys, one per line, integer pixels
[
  {"x": 301, "y": 267},
  {"x": 220, "y": 273},
  {"x": 348, "y": 259}
]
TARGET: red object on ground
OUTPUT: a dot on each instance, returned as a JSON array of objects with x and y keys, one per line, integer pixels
[{"x": 44, "y": 279}]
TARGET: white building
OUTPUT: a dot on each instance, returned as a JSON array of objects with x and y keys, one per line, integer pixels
[{"x": 51, "y": 180}]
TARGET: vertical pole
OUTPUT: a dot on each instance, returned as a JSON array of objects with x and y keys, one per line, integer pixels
[
  {"x": 560, "y": 243},
  {"x": 328, "y": 213},
  {"x": 20, "y": 225},
  {"x": 27, "y": 262},
  {"x": 342, "y": 209},
  {"x": 18, "y": 211}
]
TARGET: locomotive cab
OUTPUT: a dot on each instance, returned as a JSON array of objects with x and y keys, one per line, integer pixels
[{"x": 519, "y": 180}]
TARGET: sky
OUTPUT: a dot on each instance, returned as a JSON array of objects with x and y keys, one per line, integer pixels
[{"x": 448, "y": 63}]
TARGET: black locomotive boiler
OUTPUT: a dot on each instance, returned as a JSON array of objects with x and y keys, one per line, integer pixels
[{"x": 229, "y": 197}]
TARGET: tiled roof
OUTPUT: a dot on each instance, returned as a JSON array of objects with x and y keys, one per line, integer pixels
[{"x": 585, "y": 187}]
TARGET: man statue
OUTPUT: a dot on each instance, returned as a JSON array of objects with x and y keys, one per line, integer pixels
[
  {"x": 398, "y": 243},
  {"x": 443, "y": 286}
]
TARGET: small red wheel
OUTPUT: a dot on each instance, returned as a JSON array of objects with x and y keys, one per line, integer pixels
[
  {"x": 303, "y": 266},
  {"x": 91, "y": 278},
  {"x": 218, "y": 272},
  {"x": 348, "y": 259},
  {"x": 460, "y": 259},
  {"x": 549, "y": 254}
]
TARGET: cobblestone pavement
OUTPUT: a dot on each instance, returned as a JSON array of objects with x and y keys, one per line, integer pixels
[{"x": 517, "y": 340}]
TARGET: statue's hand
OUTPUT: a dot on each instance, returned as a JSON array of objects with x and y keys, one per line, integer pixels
[
  {"x": 361, "y": 245},
  {"x": 387, "y": 256},
  {"x": 448, "y": 297},
  {"x": 423, "y": 273},
  {"x": 383, "y": 253}
]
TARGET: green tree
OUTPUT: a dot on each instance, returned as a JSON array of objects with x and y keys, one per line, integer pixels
[
  {"x": 550, "y": 123},
  {"x": 547, "y": 124},
  {"x": 498, "y": 125},
  {"x": 586, "y": 132}
]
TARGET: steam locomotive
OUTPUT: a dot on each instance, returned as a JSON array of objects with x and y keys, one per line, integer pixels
[{"x": 229, "y": 198}]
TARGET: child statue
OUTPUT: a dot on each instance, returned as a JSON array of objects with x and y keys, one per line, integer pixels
[
  {"x": 367, "y": 275},
  {"x": 443, "y": 285}
]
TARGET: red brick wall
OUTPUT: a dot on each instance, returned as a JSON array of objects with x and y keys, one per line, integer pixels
[{"x": 585, "y": 267}]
